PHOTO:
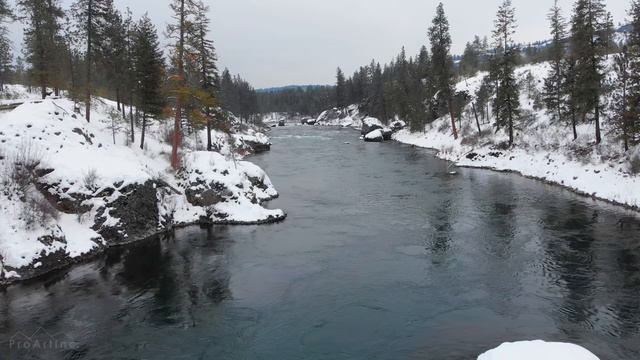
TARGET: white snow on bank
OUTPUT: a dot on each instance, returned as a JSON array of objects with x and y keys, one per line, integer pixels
[
  {"x": 538, "y": 350},
  {"x": 543, "y": 149},
  {"x": 244, "y": 196},
  {"x": 12, "y": 94},
  {"x": 84, "y": 160}
]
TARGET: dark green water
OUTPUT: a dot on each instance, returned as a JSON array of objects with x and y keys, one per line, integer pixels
[{"x": 383, "y": 256}]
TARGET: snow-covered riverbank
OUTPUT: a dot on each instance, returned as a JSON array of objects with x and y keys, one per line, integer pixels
[
  {"x": 543, "y": 149},
  {"x": 70, "y": 188}
]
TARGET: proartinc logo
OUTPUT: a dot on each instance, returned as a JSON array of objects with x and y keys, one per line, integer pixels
[{"x": 40, "y": 341}]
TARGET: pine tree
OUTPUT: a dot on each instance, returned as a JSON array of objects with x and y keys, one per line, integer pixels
[
  {"x": 589, "y": 28},
  {"x": 5, "y": 11},
  {"x": 6, "y": 55},
  {"x": 553, "y": 85},
  {"x": 570, "y": 93},
  {"x": 42, "y": 41},
  {"x": 91, "y": 17},
  {"x": 6, "y": 61},
  {"x": 183, "y": 11},
  {"x": 205, "y": 56},
  {"x": 623, "y": 116},
  {"x": 341, "y": 94},
  {"x": 113, "y": 53},
  {"x": 633, "y": 91},
  {"x": 149, "y": 73},
  {"x": 507, "y": 101},
  {"x": 442, "y": 64}
]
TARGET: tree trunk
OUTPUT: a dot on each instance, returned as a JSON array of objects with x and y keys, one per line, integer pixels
[
  {"x": 89, "y": 59},
  {"x": 475, "y": 113},
  {"x": 453, "y": 121},
  {"x": 178, "y": 119},
  {"x": 597, "y": 119},
  {"x": 144, "y": 128},
  {"x": 133, "y": 127},
  {"x": 574, "y": 125},
  {"x": 118, "y": 97}
]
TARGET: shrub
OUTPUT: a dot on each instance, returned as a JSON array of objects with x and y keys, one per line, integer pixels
[
  {"x": 22, "y": 164},
  {"x": 37, "y": 210},
  {"x": 90, "y": 180}
]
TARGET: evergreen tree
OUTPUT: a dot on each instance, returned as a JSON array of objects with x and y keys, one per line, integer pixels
[
  {"x": 553, "y": 85},
  {"x": 623, "y": 116},
  {"x": 205, "y": 56},
  {"x": 570, "y": 93},
  {"x": 179, "y": 31},
  {"x": 113, "y": 53},
  {"x": 341, "y": 93},
  {"x": 507, "y": 102},
  {"x": 442, "y": 64},
  {"x": 91, "y": 17},
  {"x": 633, "y": 80},
  {"x": 6, "y": 61},
  {"x": 6, "y": 55},
  {"x": 5, "y": 10},
  {"x": 589, "y": 42},
  {"x": 149, "y": 73},
  {"x": 42, "y": 41}
]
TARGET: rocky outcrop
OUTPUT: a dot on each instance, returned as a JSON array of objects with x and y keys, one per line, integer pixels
[
  {"x": 258, "y": 146},
  {"x": 132, "y": 216}
]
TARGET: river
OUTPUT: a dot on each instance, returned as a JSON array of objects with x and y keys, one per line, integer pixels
[{"x": 384, "y": 255}]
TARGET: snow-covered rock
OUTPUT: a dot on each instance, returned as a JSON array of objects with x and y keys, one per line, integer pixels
[
  {"x": 70, "y": 189},
  {"x": 374, "y": 136},
  {"x": 538, "y": 350}
]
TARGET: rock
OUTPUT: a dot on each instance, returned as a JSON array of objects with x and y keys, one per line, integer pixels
[
  {"x": 368, "y": 128},
  {"x": 137, "y": 214},
  {"x": 281, "y": 123},
  {"x": 387, "y": 133},
  {"x": 398, "y": 125},
  {"x": 374, "y": 136},
  {"x": 257, "y": 147},
  {"x": 472, "y": 156},
  {"x": 216, "y": 193}
]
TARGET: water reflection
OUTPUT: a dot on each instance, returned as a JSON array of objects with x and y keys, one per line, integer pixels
[{"x": 385, "y": 255}]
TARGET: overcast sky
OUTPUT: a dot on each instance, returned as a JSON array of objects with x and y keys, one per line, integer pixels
[{"x": 282, "y": 42}]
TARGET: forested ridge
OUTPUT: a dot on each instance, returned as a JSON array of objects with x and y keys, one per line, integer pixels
[{"x": 595, "y": 74}]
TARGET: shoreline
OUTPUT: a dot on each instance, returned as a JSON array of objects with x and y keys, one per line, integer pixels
[
  {"x": 68, "y": 262},
  {"x": 574, "y": 190},
  {"x": 457, "y": 164}
]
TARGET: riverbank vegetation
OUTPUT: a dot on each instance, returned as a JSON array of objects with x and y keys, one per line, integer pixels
[{"x": 594, "y": 75}]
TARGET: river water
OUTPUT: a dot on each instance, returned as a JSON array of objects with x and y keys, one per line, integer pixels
[{"x": 384, "y": 255}]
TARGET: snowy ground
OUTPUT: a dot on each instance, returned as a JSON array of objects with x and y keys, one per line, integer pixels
[
  {"x": 82, "y": 172},
  {"x": 538, "y": 350},
  {"x": 12, "y": 94},
  {"x": 543, "y": 149}
]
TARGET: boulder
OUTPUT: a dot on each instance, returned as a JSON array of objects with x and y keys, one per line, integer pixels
[
  {"x": 258, "y": 147},
  {"x": 387, "y": 133},
  {"x": 136, "y": 212},
  {"x": 370, "y": 124},
  {"x": 398, "y": 125},
  {"x": 374, "y": 136}
]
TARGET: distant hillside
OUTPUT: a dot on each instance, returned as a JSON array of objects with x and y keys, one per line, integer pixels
[
  {"x": 291, "y": 87},
  {"x": 624, "y": 28}
]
